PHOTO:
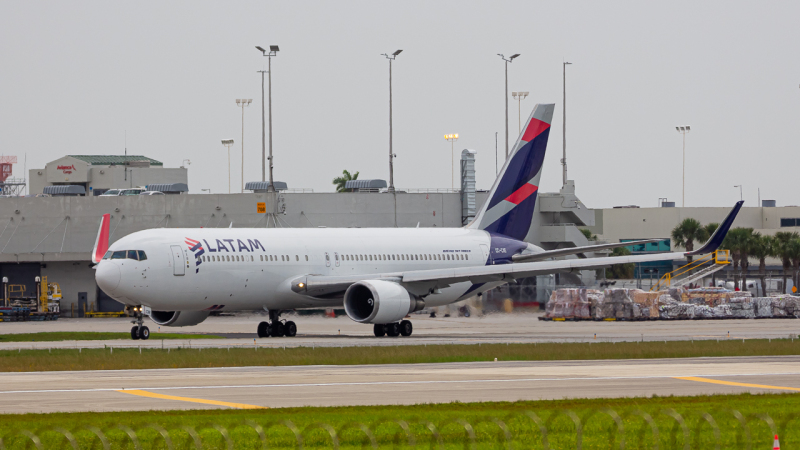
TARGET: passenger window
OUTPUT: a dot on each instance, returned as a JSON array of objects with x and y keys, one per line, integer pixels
[
  {"x": 306, "y": 257},
  {"x": 119, "y": 255},
  {"x": 252, "y": 258},
  {"x": 297, "y": 258},
  {"x": 261, "y": 257},
  {"x": 467, "y": 256},
  {"x": 370, "y": 257},
  {"x": 227, "y": 258}
]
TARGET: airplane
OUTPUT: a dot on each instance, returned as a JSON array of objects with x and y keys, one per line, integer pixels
[{"x": 179, "y": 276}]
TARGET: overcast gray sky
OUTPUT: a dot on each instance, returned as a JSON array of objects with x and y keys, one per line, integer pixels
[{"x": 76, "y": 75}]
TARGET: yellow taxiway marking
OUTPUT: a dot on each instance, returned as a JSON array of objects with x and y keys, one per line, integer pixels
[
  {"x": 733, "y": 383},
  {"x": 142, "y": 393}
]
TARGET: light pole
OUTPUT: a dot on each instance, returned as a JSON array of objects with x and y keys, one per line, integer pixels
[
  {"x": 273, "y": 51},
  {"x": 564, "y": 124},
  {"x": 228, "y": 143},
  {"x": 519, "y": 96},
  {"x": 242, "y": 102},
  {"x": 683, "y": 131},
  {"x": 391, "y": 153},
  {"x": 507, "y": 60},
  {"x": 452, "y": 138},
  {"x": 741, "y": 196}
]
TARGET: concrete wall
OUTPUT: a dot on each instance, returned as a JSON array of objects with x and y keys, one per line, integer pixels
[{"x": 104, "y": 177}]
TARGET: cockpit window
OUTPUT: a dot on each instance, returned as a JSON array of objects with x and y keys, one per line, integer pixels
[
  {"x": 136, "y": 255},
  {"x": 108, "y": 255},
  {"x": 132, "y": 254},
  {"x": 120, "y": 254},
  {"x": 142, "y": 256}
]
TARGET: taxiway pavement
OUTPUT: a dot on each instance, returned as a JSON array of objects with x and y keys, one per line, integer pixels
[{"x": 271, "y": 387}]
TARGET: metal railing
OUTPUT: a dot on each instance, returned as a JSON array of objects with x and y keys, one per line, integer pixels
[
  {"x": 598, "y": 428},
  {"x": 719, "y": 257}
]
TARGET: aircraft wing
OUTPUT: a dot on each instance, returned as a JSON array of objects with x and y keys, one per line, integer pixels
[
  {"x": 547, "y": 254},
  {"x": 421, "y": 282}
]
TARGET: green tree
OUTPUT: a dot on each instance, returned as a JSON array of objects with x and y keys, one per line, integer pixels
[
  {"x": 686, "y": 233},
  {"x": 782, "y": 250},
  {"x": 342, "y": 180},
  {"x": 588, "y": 234},
  {"x": 738, "y": 241},
  {"x": 762, "y": 247},
  {"x": 793, "y": 249},
  {"x": 618, "y": 271}
]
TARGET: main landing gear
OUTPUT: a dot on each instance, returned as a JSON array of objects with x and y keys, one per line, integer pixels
[
  {"x": 139, "y": 331},
  {"x": 275, "y": 327},
  {"x": 404, "y": 328}
]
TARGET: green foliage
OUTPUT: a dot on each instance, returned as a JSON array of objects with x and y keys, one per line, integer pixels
[
  {"x": 588, "y": 234},
  {"x": 620, "y": 271},
  {"x": 686, "y": 233},
  {"x": 342, "y": 180},
  {"x": 156, "y": 358}
]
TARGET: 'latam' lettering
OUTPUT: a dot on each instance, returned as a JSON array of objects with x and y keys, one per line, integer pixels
[{"x": 250, "y": 246}]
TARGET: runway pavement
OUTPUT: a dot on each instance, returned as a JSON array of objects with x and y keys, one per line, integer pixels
[
  {"x": 272, "y": 387},
  {"x": 317, "y": 331}
]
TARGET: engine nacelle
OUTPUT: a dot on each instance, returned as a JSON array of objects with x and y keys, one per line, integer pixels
[
  {"x": 178, "y": 318},
  {"x": 378, "y": 301}
]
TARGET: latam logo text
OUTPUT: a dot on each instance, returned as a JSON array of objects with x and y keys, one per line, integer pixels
[
  {"x": 234, "y": 245},
  {"x": 66, "y": 169}
]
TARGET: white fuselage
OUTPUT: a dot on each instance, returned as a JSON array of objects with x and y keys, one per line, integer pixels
[{"x": 251, "y": 269}]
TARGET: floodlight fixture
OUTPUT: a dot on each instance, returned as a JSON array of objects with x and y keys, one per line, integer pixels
[
  {"x": 396, "y": 53},
  {"x": 227, "y": 142},
  {"x": 514, "y": 55},
  {"x": 273, "y": 48},
  {"x": 260, "y": 49}
]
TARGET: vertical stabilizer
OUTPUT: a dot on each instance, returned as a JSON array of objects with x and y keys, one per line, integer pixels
[
  {"x": 509, "y": 209},
  {"x": 101, "y": 243}
]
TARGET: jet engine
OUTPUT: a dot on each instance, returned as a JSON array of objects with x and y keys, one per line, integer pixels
[
  {"x": 379, "y": 302},
  {"x": 178, "y": 318}
]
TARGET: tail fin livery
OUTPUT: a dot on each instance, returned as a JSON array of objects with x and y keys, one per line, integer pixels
[
  {"x": 101, "y": 243},
  {"x": 509, "y": 209}
]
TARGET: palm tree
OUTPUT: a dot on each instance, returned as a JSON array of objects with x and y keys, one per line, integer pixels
[
  {"x": 738, "y": 241},
  {"x": 793, "y": 250},
  {"x": 342, "y": 180},
  {"x": 762, "y": 247},
  {"x": 782, "y": 239},
  {"x": 686, "y": 233},
  {"x": 618, "y": 271},
  {"x": 710, "y": 228}
]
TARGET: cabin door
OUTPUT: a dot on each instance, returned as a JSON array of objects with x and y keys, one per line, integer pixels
[{"x": 178, "y": 260}]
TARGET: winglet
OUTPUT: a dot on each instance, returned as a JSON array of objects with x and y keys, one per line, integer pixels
[
  {"x": 716, "y": 239},
  {"x": 101, "y": 243}
]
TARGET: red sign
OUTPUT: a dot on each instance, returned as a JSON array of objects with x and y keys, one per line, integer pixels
[{"x": 66, "y": 169}]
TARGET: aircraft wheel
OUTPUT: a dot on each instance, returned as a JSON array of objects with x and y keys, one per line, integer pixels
[
  {"x": 379, "y": 329},
  {"x": 263, "y": 329},
  {"x": 290, "y": 329},
  {"x": 406, "y": 328},
  {"x": 135, "y": 333},
  {"x": 277, "y": 329},
  {"x": 393, "y": 329},
  {"x": 144, "y": 333}
]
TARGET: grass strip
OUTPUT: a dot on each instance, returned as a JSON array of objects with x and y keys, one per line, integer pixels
[
  {"x": 146, "y": 358},
  {"x": 599, "y": 428},
  {"x": 92, "y": 336}
]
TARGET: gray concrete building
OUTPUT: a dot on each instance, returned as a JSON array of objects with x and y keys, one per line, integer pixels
[{"x": 99, "y": 173}]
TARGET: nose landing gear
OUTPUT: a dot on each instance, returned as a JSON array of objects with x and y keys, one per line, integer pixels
[
  {"x": 275, "y": 327},
  {"x": 139, "y": 331}
]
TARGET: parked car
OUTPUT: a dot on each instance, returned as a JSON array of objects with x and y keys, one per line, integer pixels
[
  {"x": 111, "y": 193},
  {"x": 152, "y": 193},
  {"x": 117, "y": 192}
]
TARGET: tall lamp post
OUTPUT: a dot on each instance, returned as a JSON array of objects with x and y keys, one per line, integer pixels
[
  {"x": 683, "y": 130},
  {"x": 391, "y": 152},
  {"x": 519, "y": 96},
  {"x": 564, "y": 125},
  {"x": 507, "y": 60},
  {"x": 273, "y": 51},
  {"x": 741, "y": 196},
  {"x": 228, "y": 143},
  {"x": 242, "y": 102},
  {"x": 452, "y": 138}
]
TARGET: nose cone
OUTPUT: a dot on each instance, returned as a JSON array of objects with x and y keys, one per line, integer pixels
[{"x": 107, "y": 276}]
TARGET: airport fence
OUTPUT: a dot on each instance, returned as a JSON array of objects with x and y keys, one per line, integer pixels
[{"x": 564, "y": 429}]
